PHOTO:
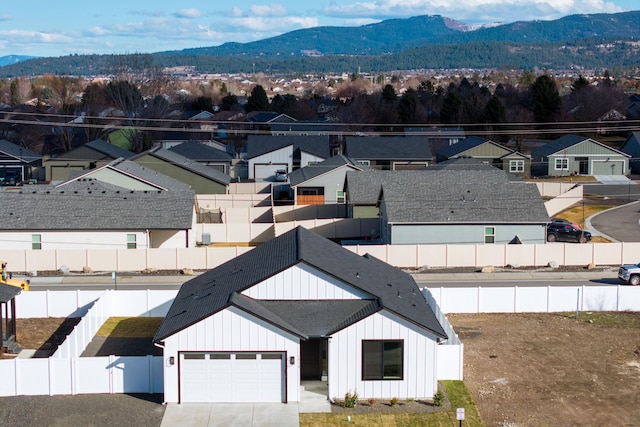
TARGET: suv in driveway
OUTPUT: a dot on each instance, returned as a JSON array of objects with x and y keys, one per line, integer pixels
[{"x": 560, "y": 231}]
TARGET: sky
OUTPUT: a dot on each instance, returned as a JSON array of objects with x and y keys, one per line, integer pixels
[{"x": 65, "y": 27}]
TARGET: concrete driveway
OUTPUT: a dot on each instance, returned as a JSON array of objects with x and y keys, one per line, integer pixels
[{"x": 231, "y": 415}]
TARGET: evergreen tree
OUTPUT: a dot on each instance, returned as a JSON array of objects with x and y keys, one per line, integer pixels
[
  {"x": 258, "y": 100},
  {"x": 450, "y": 112},
  {"x": 546, "y": 99}
]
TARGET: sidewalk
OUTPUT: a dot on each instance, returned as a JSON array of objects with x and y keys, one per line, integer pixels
[{"x": 518, "y": 275}]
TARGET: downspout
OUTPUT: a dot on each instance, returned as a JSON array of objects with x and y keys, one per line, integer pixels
[{"x": 186, "y": 237}]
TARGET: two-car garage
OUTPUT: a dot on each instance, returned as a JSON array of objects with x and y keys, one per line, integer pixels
[{"x": 232, "y": 377}]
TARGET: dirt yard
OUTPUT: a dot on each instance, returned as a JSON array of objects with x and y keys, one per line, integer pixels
[{"x": 552, "y": 370}]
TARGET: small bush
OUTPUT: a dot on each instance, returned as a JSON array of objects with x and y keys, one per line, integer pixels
[
  {"x": 371, "y": 401},
  {"x": 350, "y": 400},
  {"x": 438, "y": 399},
  {"x": 394, "y": 401}
]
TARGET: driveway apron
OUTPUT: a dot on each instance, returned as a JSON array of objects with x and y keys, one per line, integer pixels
[{"x": 231, "y": 415}]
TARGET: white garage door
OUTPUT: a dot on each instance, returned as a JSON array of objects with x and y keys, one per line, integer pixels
[
  {"x": 232, "y": 377},
  {"x": 267, "y": 172}
]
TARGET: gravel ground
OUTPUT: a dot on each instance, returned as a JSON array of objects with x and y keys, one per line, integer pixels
[{"x": 92, "y": 410}]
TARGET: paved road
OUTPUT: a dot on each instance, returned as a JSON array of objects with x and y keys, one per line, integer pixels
[{"x": 621, "y": 223}]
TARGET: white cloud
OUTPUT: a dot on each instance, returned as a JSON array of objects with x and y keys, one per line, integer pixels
[
  {"x": 271, "y": 24},
  {"x": 6, "y": 18},
  {"x": 268, "y": 10},
  {"x": 236, "y": 12},
  {"x": 191, "y": 13}
]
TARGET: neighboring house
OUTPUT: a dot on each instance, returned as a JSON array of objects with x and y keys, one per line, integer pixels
[
  {"x": 438, "y": 137},
  {"x": 322, "y": 183},
  {"x": 205, "y": 155},
  {"x": 390, "y": 153},
  {"x": 452, "y": 204},
  {"x": 578, "y": 155},
  {"x": 632, "y": 147},
  {"x": 129, "y": 175},
  {"x": 95, "y": 215},
  {"x": 18, "y": 161},
  {"x": 490, "y": 152},
  {"x": 89, "y": 156},
  {"x": 299, "y": 308},
  {"x": 266, "y": 154},
  {"x": 202, "y": 179}
]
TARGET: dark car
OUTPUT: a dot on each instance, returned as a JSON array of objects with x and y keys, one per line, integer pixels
[
  {"x": 10, "y": 178},
  {"x": 560, "y": 231}
]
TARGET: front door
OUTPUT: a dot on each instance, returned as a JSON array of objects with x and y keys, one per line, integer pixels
[
  {"x": 313, "y": 353},
  {"x": 583, "y": 163}
]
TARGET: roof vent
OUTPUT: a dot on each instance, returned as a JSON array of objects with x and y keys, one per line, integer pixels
[
  {"x": 398, "y": 295},
  {"x": 357, "y": 275}
]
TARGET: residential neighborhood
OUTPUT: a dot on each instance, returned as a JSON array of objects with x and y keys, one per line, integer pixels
[{"x": 305, "y": 238}]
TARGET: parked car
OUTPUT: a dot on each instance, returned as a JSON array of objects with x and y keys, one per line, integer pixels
[
  {"x": 11, "y": 178},
  {"x": 566, "y": 232},
  {"x": 630, "y": 274}
]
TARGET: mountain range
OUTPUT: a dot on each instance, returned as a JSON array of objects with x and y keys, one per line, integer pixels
[{"x": 434, "y": 42}]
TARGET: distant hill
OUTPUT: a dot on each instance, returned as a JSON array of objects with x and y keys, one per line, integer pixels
[
  {"x": 395, "y": 35},
  {"x": 603, "y": 41},
  {"x": 13, "y": 59}
]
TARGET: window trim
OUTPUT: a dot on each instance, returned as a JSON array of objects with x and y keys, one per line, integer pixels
[
  {"x": 36, "y": 242},
  {"x": 341, "y": 196},
  {"x": 366, "y": 353},
  {"x": 516, "y": 166},
  {"x": 489, "y": 234},
  {"x": 561, "y": 163},
  {"x": 132, "y": 241}
]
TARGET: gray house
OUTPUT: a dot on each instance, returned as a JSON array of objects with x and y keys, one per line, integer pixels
[
  {"x": 632, "y": 147},
  {"x": 390, "y": 153},
  {"x": 322, "y": 183},
  {"x": 266, "y": 154},
  {"x": 91, "y": 155},
  {"x": 489, "y": 152},
  {"x": 19, "y": 161},
  {"x": 205, "y": 155},
  {"x": 578, "y": 155},
  {"x": 451, "y": 205}
]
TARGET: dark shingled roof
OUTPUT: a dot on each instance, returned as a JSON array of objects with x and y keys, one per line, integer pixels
[
  {"x": 79, "y": 207},
  {"x": 389, "y": 288},
  {"x": 200, "y": 152},
  {"x": 185, "y": 163},
  {"x": 109, "y": 149},
  {"x": 464, "y": 190},
  {"x": 308, "y": 172},
  {"x": 563, "y": 143},
  {"x": 8, "y": 292},
  {"x": 467, "y": 144},
  {"x": 317, "y": 145},
  {"x": 20, "y": 153},
  {"x": 384, "y": 148}
]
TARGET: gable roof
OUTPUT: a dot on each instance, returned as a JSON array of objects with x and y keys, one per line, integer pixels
[
  {"x": 200, "y": 152},
  {"x": 95, "y": 206},
  {"x": 135, "y": 171},
  {"x": 468, "y": 144},
  {"x": 17, "y": 152},
  {"x": 384, "y": 148},
  {"x": 565, "y": 142},
  {"x": 187, "y": 164},
  {"x": 317, "y": 145},
  {"x": 109, "y": 149},
  {"x": 474, "y": 196},
  {"x": 306, "y": 173},
  {"x": 389, "y": 288}
]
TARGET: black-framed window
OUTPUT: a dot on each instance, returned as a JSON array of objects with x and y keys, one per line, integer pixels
[{"x": 382, "y": 359}]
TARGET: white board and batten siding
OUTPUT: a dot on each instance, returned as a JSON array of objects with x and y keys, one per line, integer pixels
[
  {"x": 419, "y": 364},
  {"x": 303, "y": 282},
  {"x": 232, "y": 331}
]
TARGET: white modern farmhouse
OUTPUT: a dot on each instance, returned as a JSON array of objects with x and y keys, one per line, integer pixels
[{"x": 299, "y": 307}]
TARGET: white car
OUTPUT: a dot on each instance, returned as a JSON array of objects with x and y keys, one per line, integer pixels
[{"x": 281, "y": 175}]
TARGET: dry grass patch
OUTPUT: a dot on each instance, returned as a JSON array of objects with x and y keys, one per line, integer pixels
[{"x": 129, "y": 327}]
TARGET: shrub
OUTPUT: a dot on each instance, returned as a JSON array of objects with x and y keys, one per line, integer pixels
[
  {"x": 394, "y": 401},
  {"x": 438, "y": 399},
  {"x": 350, "y": 400},
  {"x": 371, "y": 401}
]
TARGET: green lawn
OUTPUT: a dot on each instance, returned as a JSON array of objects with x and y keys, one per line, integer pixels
[{"x": 455, "y": 390}]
